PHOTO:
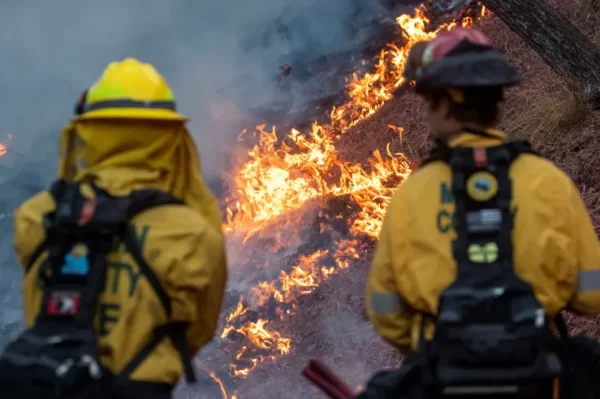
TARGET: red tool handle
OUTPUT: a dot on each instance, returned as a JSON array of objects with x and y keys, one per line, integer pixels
[{"x": 326, "y": 380}]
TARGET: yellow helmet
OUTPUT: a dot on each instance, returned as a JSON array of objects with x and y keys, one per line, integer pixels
[{"x": 130, "y": 89}]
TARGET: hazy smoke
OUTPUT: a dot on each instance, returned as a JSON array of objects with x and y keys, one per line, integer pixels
[
  {"x": 209, "y": 50},
  {"x": 448, "y": 6}
]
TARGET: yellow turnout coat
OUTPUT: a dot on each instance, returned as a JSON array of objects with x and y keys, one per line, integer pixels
[
  {"x": 556, "y": 249},
  {"x": 184, "y": 245}
]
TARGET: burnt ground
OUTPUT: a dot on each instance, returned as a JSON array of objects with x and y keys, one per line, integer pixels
[{"x": 331, "y": 324}]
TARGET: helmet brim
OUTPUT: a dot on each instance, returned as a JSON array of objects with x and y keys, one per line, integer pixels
[{"x": 133, "y": 113}]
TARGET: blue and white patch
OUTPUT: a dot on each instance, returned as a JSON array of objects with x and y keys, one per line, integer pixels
[{"x": 76, "y": 261}]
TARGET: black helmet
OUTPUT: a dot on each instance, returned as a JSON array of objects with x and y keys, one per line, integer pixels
[{"x": 458, "y": 58}]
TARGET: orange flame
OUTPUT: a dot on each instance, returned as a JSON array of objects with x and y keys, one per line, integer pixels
[
  {"x": 4, "y": 147},
  {"x": 221, "y": 385}
]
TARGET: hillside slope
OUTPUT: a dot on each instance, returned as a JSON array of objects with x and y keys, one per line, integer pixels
[{"x": 330, "y": 324}]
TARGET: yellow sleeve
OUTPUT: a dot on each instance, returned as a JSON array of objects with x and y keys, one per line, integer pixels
[
  {"x": 22, "y": 247},
  {"x": 198, "y": 286},
  {"x": 587, "y": 247},
  {"x": 385, "y": 307},
  {"x": 28, "y": 226}
]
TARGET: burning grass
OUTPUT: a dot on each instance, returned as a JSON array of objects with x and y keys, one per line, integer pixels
[{"x": 313, "y": 305}]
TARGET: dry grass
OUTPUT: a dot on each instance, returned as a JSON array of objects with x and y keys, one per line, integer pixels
[
  {"x": 330, "y": 324},
  {"x": 547, "y": 115}
]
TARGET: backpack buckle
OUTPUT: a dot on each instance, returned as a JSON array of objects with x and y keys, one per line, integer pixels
[
  {"x": 480, "y": 157},
  {"x": 85, "y": 361},
  {"x": 87, "y": 211}
]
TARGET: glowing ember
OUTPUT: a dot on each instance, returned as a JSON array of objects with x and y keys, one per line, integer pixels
[
  {"x": 218, "y": 381},
  {"x": 4, "y": 147},
  {"x": 282, "y": 176}
]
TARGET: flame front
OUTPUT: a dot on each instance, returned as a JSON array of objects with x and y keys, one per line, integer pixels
[{"x": 281, "y": 178}]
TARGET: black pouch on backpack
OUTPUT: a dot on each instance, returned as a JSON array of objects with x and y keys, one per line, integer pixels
[
  {"x": 58, "y": 357},
  {"x": 40, "y": 364}
]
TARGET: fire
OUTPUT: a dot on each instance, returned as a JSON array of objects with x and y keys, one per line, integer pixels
[
  {"x": 4, "y": 147},
  {"x": 281, "y": 177},
  {"x": 221, "y": 386}
]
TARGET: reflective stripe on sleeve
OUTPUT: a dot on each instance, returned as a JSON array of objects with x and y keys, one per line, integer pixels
[
  {"x": 588, "y": 280},
  {"x": 386, "y": 302}
]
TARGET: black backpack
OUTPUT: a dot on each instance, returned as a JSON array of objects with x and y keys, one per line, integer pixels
[
  {"x": 492, "y": 337},
  {"x": 58, "y": 357}
]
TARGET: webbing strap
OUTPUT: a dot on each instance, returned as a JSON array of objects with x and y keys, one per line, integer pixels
[
  {"x": 39, "y": 250},
  {"x": 133, "y": 248},
  {"x": 56, "y": 191},
  {"x": 175, "y": 331},
  {"x": 464, "y": 165},
  {"x": 143, "y": 200},
  {"x": 561, "y": 326},
  {"x": 158, "y": 335},
  {"x": 440, "y": 150},
  {"x": 90, "y": 293}
]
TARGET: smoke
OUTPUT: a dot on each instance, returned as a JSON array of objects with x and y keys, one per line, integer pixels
[
  {"x": 220, "y": 56},
  {"x": 448, "y": 6}
]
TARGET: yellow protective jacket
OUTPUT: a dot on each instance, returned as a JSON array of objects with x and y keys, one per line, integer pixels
[
  {"x": 184, "y": 245},
  {"x": 556, "y": 249}
]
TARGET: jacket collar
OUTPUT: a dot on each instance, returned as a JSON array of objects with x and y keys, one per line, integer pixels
[{"x": 471, "y": 138}]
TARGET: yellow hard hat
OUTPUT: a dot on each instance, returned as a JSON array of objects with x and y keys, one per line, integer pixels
[{"x": 130, "y": 89}]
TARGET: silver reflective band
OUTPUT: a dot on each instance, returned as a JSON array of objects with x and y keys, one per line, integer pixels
[
  {"x": 588, "y": 280},
  {"x": 386, "y": 302}
]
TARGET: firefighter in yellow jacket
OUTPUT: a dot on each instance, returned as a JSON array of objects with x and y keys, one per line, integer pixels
[
  {"x": 128, "y": 136},
  {"x": 554, "y": 246}
]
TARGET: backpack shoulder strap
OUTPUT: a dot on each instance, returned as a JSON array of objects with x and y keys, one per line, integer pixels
[
  {"x": 475, "y": 170},
  {"x": 74, "y": 273},
  {"x": 56, "y": 191},
  {"x": 142, "y": 200},
  {"x": 440, "y": 151},
  {"x": 482, "y": 192}
]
